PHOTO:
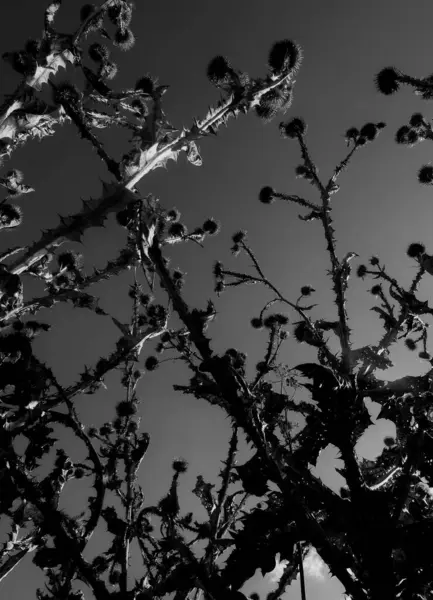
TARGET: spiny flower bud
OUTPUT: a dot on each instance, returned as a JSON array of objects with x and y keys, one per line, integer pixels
[
  {"x": 219, "y": 287},
  {"x": 125, "y": 409},
  {"x": 218, "y": 269},
  {"x": 151, "y": 363},
  {"x": 406, "y": 135},
  {"x": 219, "y": 71},
  {"x": 98, "y": 52},
  {"x": 369, "y": 131},
  {"x": 66, "y": 92},
  {"x": 415, "y": 250},
  {"x": 180, "y": 465},
  {"x": 146, "y": 299},
  {"x": 124, "y": 39},
  {"x": 146, "y": 84},
  {"x": 10, "y": 216},
  {"x": 177, "y": 274},
  {"x": 361, "y": 271},
  {"x": 211, "y": 227},
  {"x": 306, "y": 290},
  {"x": 262, "y": 367},
  {"x": 416, "y": 120},
  {"x": 285, "y": 55},
  {"x": 387, "y": 81},
  {"x": 177, "y": 230},
  {"x": 257, "y": 323},
  {"x": 425, "y": 174},
  {"x": 410, "y": 344},
  {"x": 275, "y": 319},
  {"x": 302, "y": 171},
  {"x": 267, "y": 195},
  {"x": 294, "y": 128},
  {"x": 376, "y": 290},
  {"x": 352, "y": 134},
  {"x": 173, "y": 215},
  {"x": 374, "y": 261},
  {"x": 266, "y": 111},
  {"x": 239, "y": 237}
]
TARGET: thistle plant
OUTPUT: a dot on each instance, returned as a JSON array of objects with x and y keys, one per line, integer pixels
[
  {"x": 33, "y": 404},
  {"x": 373, "y": 533},
  {"x": 368, "y": 535}
]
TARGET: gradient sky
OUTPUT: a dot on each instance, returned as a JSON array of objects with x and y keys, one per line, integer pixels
[{"x": 380, "y": 209}]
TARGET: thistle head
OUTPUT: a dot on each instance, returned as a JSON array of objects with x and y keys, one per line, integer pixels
[
  {"x": 146, "y": 84},
  {"x": 425, "y": 175},
  {"x": 151, "y": 363},
  {"x": 388, "y": 81},
  {"x": 415, "y": 250},
  {"x": 10, "y": 216},
  {"x": 267, "y": 195},
  {"x": 98, "y": 52},
  {"x": 294, "y": 128},
  {"x": 285, "y": 56},
  {"x": 219, "y": 71},
  {"x": 124, "y": 39},
  {"x": 211, "y": 227}
]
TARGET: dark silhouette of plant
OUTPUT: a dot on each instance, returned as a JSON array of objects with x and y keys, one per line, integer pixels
[
  {"x": 373, "y": 534},
  {"x": 33, "y": 404}
]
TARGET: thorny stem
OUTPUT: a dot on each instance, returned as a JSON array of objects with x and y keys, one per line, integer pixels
[
  {"x": 329, "y": 553},
  {"x": 344, "y": 332}
]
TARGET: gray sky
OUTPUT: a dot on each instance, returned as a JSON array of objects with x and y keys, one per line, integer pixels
[{"x": 379, "y": 210}]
